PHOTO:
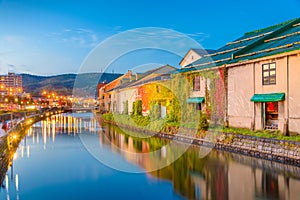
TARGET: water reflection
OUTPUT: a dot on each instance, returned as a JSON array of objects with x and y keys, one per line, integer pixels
[
  {"x": 220, "y": 175},
  {"x": 59, "y": 124},
  {"x": 48, "y": 129},
  {"x": 71, "y": 170}
]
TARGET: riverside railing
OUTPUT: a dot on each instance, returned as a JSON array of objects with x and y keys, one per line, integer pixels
[{"x": 10, "y": 142}]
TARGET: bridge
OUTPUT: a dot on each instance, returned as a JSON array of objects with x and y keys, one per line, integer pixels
[
  {"x": 67, "y": 109},
  {"x": 79, "y": 109}
]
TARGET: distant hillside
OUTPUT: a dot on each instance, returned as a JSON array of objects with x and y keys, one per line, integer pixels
[{"x": 63, "y": 84}]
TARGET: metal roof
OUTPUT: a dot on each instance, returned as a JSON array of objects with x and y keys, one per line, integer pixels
[{"x": 261, "y": 43}]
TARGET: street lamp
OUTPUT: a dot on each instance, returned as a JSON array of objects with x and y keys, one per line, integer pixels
[{"x": 11, "y": 114}]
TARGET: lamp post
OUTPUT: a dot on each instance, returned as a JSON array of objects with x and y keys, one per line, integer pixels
[{"x": 11, "y": 114}]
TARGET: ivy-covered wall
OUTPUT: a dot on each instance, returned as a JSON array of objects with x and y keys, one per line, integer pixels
[
  {"x": 215, "y": 93},
  {"x": 155, "y": 93},
  {"x": 174, "y": 93}
]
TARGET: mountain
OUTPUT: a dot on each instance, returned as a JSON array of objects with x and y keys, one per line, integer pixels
[{"x": 64, "y": 83}]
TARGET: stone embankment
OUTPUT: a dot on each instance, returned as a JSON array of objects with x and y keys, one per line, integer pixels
[{"x": 286, "y": 152}]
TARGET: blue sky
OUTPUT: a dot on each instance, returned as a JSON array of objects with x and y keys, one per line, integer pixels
[{"x": 56, "y": 36}]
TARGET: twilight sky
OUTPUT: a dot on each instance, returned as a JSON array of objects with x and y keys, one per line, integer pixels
[{"x": 56, "y": 36}]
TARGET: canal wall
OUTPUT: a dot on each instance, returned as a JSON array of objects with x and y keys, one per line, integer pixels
[
  {"x": 10, "y": 142},
  {"x": 4, "y": 159},
  {"x": 286, "y": 152},
  {"x": 282, "y": 151}
]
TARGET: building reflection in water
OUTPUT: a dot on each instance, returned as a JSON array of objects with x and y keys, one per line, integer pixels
[{"x": 220, "y": 175}]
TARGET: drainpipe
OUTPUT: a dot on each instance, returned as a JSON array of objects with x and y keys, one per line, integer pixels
[
  {"x": 226, "y": 120},
  {"x": 286, "y": 120},
  {"x": 254, "y": 110}
]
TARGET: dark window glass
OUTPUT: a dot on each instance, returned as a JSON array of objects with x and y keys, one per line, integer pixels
[
  {"x": 196, "y": 86},
  {"x": 198, "y": 106}
]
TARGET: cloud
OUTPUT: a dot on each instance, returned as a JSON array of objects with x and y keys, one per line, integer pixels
[
  {"x": 117, "y": 28},
  {"x": 67, "y": 30},
  {"x": 12, "y": 67},
  {"x": 5, "y": 53},
  {"x": 17, "y": 68},
  {"x": 13, "y": 40},
  {"x": 199, "y": 36},
  {"x": 80, "y": 37}
]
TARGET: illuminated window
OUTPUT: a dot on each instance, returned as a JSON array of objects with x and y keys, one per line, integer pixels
[{"x": 269, "y": 74}]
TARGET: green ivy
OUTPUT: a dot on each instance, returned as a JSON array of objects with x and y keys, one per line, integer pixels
[
  {"x": 203, "y": 123},
  {"x": 125, "y": 111},
  {"x": 137, "y": 108},
  {"x": 154, "y": 111}
]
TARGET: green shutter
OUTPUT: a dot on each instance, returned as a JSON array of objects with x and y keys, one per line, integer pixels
[
  {"x": 195, "y": 100},
  {"x": 272, "y": 97}
]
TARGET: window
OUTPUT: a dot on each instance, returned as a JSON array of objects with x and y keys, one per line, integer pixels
[
  {"x": 269, "y": 74},
  {"x": 158, "y": 88},
  {"x": 198, "y": 106},
  {"x": 196, "y": 83}
]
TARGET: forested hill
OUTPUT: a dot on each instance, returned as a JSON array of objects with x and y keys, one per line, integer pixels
[{"x": 63, "y": 84}]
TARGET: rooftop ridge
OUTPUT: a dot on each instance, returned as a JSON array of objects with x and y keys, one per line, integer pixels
[
  {"x": 270, "y": 27},
  {"x": 283, "y": 27}
]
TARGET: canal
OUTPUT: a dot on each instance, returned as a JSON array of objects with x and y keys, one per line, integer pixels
[{"x": 71, "y": 156}]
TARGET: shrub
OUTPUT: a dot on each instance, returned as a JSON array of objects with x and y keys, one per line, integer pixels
[
  {"x": 203, "y": 122},
  {"x": 154, "y": 111},
  {"x": 108, "y": 116},
  {"x": 137, "y": 108},
  {"x": 140, "y": 120}
]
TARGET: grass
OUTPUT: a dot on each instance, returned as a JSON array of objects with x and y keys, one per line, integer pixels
[
  {"x": 162, "y": 125},
  {"x": 274, "y": 134}
]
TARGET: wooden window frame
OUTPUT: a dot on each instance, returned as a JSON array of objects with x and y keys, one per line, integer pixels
[
  {"x": 196, "y": 83},
  {"x": 266, "y": 79}
]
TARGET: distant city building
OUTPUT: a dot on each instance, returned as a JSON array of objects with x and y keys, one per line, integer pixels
[
  {"x": 11, "y": 84},
  {"x": 105, "y": 91}
]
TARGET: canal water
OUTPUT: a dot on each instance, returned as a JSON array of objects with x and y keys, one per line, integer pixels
[{"x": 71, "y": 156}]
